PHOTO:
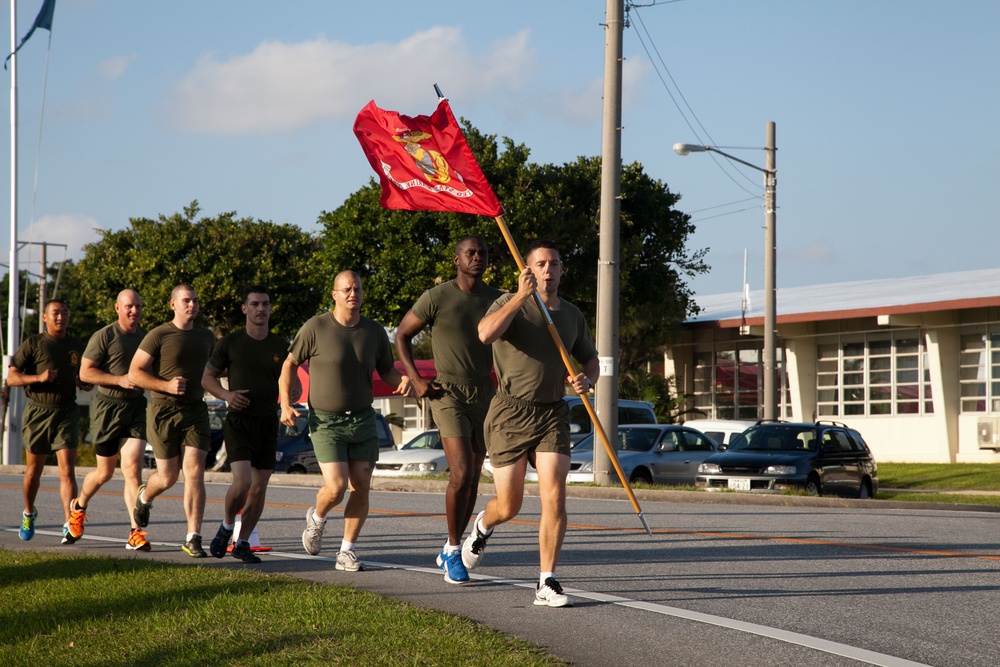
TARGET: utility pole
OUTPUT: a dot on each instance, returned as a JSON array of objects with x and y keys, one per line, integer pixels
[
  {"x": 606, "y": 399},
  {"x": 14, "y": 395},
  {"x": 43, "y": 289},
  {"x": 771, "y": 384}
]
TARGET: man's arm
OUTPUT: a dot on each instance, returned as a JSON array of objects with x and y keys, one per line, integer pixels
[
  {"x": 287, "y": 381},
  {"x": 407, "y": 329},
  {"x": 140, "y": 373},
  {"x": 210, "y": 383},
  {"x": 584, "y": 381},
  {"x": 495, "y": 324},
  {"x": 15, "y": 378},
  {"x": 91, "y": 373},
  {"x": 394, "y": 378}
]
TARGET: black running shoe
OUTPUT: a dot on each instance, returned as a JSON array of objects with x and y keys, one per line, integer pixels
[
  {"x": 140, "y": 511},
  {"x": 243, "y": 552},
  {"x": 221, "y": 542}
]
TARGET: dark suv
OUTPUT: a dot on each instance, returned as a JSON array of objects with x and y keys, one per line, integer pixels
[{"x": 820, "y": 458}]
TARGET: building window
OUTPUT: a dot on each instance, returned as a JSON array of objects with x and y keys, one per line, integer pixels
[
  {"x": 979, "y": 371},
  {"x": 874, "y": 374},
  {"x": 728, "y": 384}
]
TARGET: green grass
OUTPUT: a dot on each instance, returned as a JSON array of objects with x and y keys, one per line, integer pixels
[
  {"x": 90, "y": 611},
  {"x": 939, "y": 476}
]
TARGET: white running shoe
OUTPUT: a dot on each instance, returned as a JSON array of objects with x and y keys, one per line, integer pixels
[
  {"x": 312, "y": 536},
  {"x": 550, "y": 594}
]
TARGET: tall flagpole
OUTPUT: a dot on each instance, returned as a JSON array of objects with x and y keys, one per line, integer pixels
[{"x": 12, "y": 420}]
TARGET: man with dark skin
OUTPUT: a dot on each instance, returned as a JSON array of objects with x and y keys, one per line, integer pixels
[
  {"x": 47, "y": 365},
  {"x": 460, "y": 396},
  {"x": 117, "y": 413}
]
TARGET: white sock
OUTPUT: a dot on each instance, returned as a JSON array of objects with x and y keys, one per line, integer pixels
[
  {"x": 481, "y": 529},
  {"x": 228, "y": 526},
  {"x": 317, "y": 517},
  {"x": 190, "y": 535},
  {"x": 346, "y": 546},
  {"x": 450, "y": 549},
  {"x": 543, "y": 576},
  {"x": 142, "y": 498}
]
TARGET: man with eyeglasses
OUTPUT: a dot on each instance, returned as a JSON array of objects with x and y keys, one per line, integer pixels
[{"x": 343, "y": 349}]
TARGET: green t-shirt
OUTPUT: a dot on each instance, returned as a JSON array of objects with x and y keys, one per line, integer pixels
[
  {"x": 42, "y": 352},
  {"x": 526, "y": 358},
  {"x": 252, "y": 364},
  {"x": 453, "y": 316},
  {"x": 112, "y": 349},
  {"x": 179, "y": 352},
  {"x": 341, "y": 361}
]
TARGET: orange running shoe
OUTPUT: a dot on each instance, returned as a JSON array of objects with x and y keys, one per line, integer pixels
[
  {"x": 76, "y": 518},
  {"x": 137, "y": 541}
]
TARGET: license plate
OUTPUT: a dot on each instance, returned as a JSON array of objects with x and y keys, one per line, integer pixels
[{"x": 739, "y": 484}]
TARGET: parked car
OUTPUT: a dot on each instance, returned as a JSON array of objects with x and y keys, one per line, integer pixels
[
  {"x": 295, "y": 453},
  {"x": 721, "y": 431},
  {"x": 629, "y": 412},
  {"x": 770, "y": 457},
  {"x": 423, "y": 455},
  {"x": 652, "y": 453}
]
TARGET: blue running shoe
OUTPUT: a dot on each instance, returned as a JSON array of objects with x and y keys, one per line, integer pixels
[
  {"x": 28, "y": 525},
  {"x": 454, "y": 568}
]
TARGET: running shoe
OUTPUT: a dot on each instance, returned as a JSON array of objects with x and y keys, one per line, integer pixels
[
  {"x": 347, "y": 561},
  {"x": 475, "y": 545},
  {"x": 76, "y": 518},
  {"x": 193, "y": 547},
  {"x": 312, "y": 536},
  {"x": 67, "y": 537},
  {"x": 28, "y": 525},
  {"x": 243, "y": 552},
  {"x": 550, "y": 594},
  {"x": 137, "y": 541},
  {"x": 140, "y": 511},
  {"x": 454, "y": 568},
  {"x": 221, "y": 542}
]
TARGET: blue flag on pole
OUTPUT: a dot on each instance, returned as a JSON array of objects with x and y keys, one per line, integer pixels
[{"x": 43, "y": 20}]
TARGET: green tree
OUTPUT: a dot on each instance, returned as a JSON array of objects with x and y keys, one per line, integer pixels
[
  {"x": 217, "y": 256},
  {"x": 401, "y": 253}
]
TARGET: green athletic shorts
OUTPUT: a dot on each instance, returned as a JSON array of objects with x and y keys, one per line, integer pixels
[
  {"x": 338, "y": 437},
  {"x": 172, "y": 426},
  {"x": 252, "y": 438},
  {"x": 114, "y": 419},
  {"x": 460, "y": 410},
  {"x": 50, "y": 428},
  {"x": 515, "y": 427}
]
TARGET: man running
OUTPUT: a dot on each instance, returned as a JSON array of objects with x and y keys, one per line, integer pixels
[
  {"x": 47, "y": 365},
  {"x": 117, "y": 414},
  {"x": 527, "y": 417},
  {"x": 252, "y": 358},
  {"x": 343, "y": 348},
  {"x": 170, "y": 362},
  {"x": 460, "y": 396}
]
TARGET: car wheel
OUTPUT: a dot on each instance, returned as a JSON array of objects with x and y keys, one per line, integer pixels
[
  {"x": 640, "y": 476},
  {"x": 865, "y": 492},
  {"x": 296, "y": 470},
  {"x": 813, "y": 487}
]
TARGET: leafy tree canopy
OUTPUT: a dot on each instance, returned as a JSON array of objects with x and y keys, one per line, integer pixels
[{"x": 399, "y": 254}]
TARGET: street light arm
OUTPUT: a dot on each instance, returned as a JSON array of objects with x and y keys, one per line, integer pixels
[{"x": 685, "y": 149}]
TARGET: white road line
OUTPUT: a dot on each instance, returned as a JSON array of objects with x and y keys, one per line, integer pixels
[{"x": 807, "y": 641}]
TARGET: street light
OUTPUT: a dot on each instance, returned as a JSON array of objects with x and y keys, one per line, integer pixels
[{"x": 770, "y": 264}]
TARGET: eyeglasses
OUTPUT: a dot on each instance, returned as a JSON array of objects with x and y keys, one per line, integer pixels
[{"x": 349, "y": 290}]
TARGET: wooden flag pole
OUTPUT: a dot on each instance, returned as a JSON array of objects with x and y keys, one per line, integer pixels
[{"x": 598, "y": 429}]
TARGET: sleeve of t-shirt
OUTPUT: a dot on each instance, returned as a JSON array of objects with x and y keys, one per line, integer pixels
[
  {"x": 219, "y": 360},
  {"x": 384, "y": 363},
  {"x": 424, "y": 309},
  {"x": 497, "y": 305},
  {"x": 151, "y": 343},
  {"x": 302, "y": 347},
  {"x": 583, "y": 347},
  {"x": 24, "y": 359},
  {"x": 97, "y": 349}
]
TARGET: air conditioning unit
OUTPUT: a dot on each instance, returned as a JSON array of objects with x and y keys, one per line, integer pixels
[{"x": 988, "y": 432}]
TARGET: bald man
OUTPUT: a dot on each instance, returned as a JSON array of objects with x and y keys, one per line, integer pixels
[
  {"x": 117, "y": 414},
  {"x": 343, "y": 349}
]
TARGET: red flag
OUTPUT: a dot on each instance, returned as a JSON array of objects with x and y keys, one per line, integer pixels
[{"x": 423, "y": 163}]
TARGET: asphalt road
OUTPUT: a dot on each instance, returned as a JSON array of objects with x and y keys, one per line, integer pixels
[{"x": 721, "y": 581}]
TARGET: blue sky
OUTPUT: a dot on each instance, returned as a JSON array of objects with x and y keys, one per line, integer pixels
[{"x": 887, "y": 112}]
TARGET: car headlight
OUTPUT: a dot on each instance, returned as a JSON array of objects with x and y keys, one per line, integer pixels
[
  {"x": 420, "y": 467},
  {"x": 278, "y": 454},
  {"x": 780, "y": 470},
  {"x": 709, "y": 469}
]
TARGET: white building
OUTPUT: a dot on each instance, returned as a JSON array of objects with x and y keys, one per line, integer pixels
[{"x": 912, "y": 363}]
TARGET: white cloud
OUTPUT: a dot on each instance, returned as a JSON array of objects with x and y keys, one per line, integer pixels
[
  {"x": 74, "y": 231},
  {"x": 114, "y": 68},
  {"x": 280, "y": 87}
]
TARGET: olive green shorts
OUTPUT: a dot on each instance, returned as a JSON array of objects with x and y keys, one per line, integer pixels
[
  {"x": 338, "y": 437},
  {"x": 252, "y": 438},
  {"x": 515, "y": 428},
  {"x": 172, "y": 426},
  {"x": 114, "y": 419},
  {"x": 50, "y": 428},
  {"x": 460, "y": 410}
]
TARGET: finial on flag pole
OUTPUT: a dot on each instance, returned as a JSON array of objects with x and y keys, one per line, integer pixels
[{"x": 438, "y": 91}]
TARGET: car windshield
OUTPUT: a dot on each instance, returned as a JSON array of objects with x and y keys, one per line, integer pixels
[
  {"x": 585, "y": 445},
  {"x": 424, "y": 441},
  {"x": 637, "y": 439},
  {"x": 775, "y": 437}
]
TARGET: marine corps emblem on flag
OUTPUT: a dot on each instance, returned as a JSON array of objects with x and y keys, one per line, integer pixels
[{"x": 423, "y": 162}]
